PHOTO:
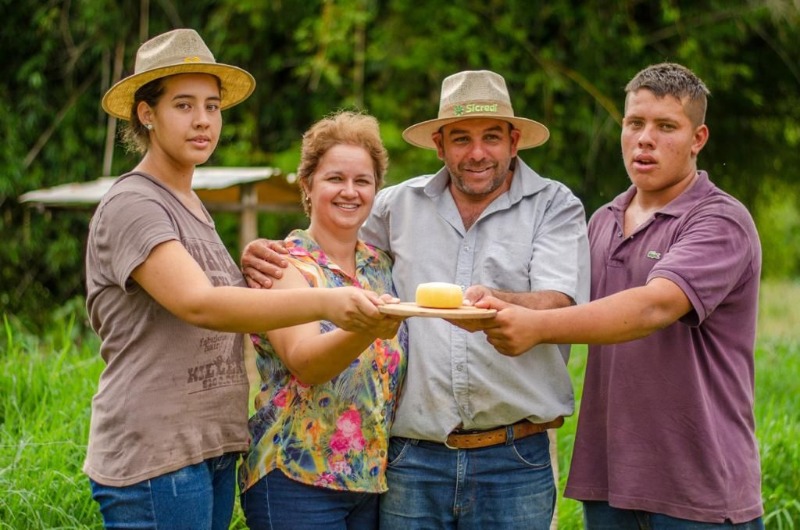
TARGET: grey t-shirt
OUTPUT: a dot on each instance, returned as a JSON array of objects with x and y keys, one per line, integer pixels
[{"x": 171, "y": 394}]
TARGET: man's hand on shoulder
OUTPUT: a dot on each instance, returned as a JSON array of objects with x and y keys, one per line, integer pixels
[{"x": 262, "y": 261}]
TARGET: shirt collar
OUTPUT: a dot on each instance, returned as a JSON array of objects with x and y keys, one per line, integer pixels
[
  {"x": 300, "y": 243},
  {"x": 677, "y": 206}
]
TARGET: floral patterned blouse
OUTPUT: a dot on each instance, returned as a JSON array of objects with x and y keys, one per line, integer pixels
[{"x": 334, "y": 435}]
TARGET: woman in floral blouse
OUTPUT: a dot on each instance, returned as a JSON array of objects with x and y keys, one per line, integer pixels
[{"x": 320, "y": 434}]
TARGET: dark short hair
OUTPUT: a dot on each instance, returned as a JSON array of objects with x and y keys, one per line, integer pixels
[{"x": 672, "y": 79}]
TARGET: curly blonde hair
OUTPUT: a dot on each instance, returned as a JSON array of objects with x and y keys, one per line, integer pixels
[{"x": 343, "y": 127}]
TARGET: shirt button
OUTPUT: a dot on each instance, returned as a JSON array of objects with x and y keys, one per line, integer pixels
[{"x": 460, "y": 367}]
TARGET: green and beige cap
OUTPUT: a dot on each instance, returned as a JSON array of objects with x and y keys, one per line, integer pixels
[{"x": 476, "y": 94}]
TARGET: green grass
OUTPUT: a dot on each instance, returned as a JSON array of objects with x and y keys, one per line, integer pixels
[
  {"x": 47, "y": 382},
  {"x": 46, "y": 385}
]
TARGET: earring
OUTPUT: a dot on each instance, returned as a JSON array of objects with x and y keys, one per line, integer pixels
[{"x": 149, "y": 126}]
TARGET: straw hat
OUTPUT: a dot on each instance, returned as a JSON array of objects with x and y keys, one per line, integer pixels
[
  {"x": 180, "y": 51},
  {"x": 476, "y": 94}
]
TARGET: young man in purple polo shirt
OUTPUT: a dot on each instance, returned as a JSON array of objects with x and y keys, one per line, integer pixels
[{"x": 665, "y": 434}]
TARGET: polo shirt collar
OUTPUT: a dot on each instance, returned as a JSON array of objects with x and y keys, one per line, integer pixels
[{"x": 679, "y": 205}]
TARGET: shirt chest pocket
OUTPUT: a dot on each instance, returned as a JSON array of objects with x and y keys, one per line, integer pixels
[{"x": 506, "y": 265}]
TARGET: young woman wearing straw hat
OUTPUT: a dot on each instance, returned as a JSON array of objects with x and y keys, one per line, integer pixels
[{"x": 169, "y": 303}]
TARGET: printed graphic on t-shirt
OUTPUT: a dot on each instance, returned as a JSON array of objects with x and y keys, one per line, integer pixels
[
  {"x": 216, "y": 262},
  {"x": 220, "y": 372},
  {"x": 224, "y": 369}
]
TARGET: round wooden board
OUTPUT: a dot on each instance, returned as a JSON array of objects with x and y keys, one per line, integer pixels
[{"x": 410, "y": 309}]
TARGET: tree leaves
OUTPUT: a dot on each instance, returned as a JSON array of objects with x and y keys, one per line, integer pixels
[{"x": 565, "y": 63}]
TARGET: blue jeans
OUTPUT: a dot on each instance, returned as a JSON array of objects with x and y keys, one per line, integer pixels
[
  {"x": 196, "y": 497},
  {"x": 277, "y": 502},
  {"x": 503, "y": 486},
  {"x": 598, "y": 515}
]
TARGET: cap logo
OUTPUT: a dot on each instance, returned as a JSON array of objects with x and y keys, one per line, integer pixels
[
  {"x": 470, "y": 108},
  {"x": 474, "y": 107},
  {"x": 191, "y": 59}
]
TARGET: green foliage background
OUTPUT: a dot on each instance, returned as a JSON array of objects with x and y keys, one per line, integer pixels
[{"x": 566, "y": 63}]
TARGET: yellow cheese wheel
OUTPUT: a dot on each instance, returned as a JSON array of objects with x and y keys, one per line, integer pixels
[{"x": 439, "y": 295}]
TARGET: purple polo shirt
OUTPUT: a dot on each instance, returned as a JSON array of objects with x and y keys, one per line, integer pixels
[{"x": 666, "y": 422}]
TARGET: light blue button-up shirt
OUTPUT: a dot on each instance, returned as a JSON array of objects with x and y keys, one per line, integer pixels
[{"x": 531, "y": 238}]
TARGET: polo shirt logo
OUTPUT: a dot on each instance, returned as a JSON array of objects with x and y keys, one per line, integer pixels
[{"x": 652, "y": 254}]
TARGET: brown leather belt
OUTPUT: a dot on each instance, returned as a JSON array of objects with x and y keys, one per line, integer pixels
[{"x": 521, "y": 429}]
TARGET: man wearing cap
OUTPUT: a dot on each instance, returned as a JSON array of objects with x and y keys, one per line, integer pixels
[{"x": 469, "y": 443}]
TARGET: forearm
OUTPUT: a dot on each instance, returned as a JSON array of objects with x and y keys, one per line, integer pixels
[
  {"x": 175, "y": 280},
  {"x": 536, "y": 299},
  {"x": 242, "y": 310},
  {"x": 622, "y": 317},
  {"x": 318, "y": 359}
]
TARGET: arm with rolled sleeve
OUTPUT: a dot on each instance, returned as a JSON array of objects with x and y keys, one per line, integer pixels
[{"x": 559, "y": 267}]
